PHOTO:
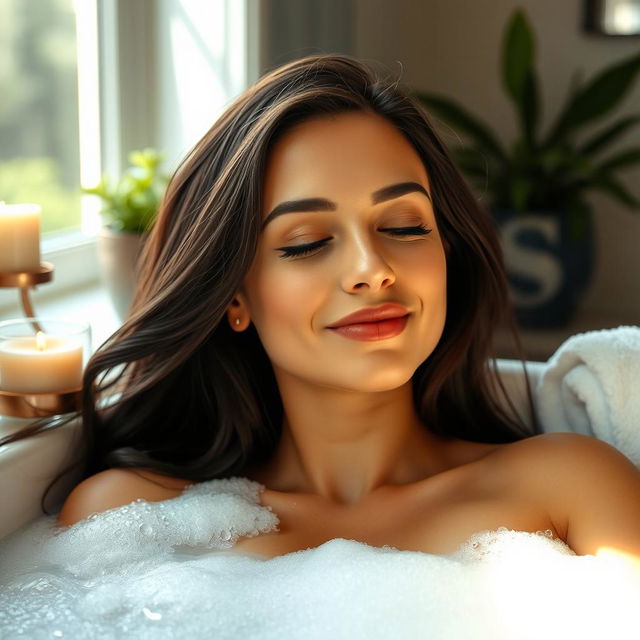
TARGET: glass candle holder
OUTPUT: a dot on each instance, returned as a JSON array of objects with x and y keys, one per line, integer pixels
[{"x": 43, "y": 356}]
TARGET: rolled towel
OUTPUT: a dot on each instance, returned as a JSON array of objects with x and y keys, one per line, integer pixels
[{"x": 591, "y": 385}]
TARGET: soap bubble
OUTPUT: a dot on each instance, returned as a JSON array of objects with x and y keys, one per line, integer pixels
[{"x": 169, "y": 570}]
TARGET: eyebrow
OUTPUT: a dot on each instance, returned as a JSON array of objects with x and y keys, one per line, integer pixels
[{"x": 322, "y": 204}]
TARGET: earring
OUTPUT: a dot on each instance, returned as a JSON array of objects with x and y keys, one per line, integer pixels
[{"x": 237, "y": 321}]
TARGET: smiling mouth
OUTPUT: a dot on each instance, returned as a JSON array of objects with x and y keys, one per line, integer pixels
[{"x": 371, "y": 331}]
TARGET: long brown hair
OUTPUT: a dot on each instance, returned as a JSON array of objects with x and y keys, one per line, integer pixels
[{"x": 176, "y": 391}]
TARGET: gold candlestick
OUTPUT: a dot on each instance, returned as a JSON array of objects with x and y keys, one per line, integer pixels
[
  {"x": 38, "y": 405},
  {"x": 34, "y": 405},
  {"x": 24, "y": 280}
]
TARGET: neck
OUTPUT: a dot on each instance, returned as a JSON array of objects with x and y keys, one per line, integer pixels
[{"x": 343, "y": 446}]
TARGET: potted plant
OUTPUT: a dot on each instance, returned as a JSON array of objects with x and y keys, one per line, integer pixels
[
  {"x": 129, "y": 210},
  {"x": 537, "y": 187}
]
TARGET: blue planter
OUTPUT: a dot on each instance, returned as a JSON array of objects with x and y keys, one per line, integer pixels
[{"x": 549, "y": 257}]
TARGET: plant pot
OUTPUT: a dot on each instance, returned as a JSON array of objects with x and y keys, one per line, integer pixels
[
  {"x": 549, "y": 258},
  {"x": 118, "y": 253}
]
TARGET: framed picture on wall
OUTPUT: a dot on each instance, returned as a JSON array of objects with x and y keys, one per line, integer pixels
[{"x": 612, "y": 17}]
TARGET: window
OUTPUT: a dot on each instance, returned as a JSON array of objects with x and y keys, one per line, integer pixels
[
  {"x": 39, "y": 150},
  {"x": 49, "y": 130},
  {"x": 112, "y": 77}
]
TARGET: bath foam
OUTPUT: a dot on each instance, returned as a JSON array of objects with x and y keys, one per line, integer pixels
[
  {"x": 168, "y": 570},
  {"x": 207, "y": 515}
]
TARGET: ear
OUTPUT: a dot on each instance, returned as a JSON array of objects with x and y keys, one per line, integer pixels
[{"x": 238, "y": 310}]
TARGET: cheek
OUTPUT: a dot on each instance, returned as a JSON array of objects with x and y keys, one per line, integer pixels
[
  {"x": 287, "y": 296},
  {"x": 429, "y": 268},
  {"x": 286, "y": 317},
  {"x": 430, "y": 284}
]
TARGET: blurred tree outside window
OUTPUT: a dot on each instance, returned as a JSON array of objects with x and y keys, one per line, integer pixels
[{"x": 39, "y": 139}]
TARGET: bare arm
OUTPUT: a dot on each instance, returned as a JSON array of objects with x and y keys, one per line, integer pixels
[{"x": 595, "y": 490}]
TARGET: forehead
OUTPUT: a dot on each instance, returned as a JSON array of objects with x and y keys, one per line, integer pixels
[{"x": 346, "y": 155}]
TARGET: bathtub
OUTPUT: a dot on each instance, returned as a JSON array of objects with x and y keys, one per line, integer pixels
[
  {"x": 27, "y": 467},
  {"x": 168, "y": 569}
]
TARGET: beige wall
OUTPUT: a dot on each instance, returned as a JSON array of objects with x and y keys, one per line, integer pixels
[{"x": 453, "y": 47}]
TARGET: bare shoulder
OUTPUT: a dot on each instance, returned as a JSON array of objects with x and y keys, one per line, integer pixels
[
  {"x": 550, "y": 459},
  {"x": 574, "y": 475},
  {"x": 563, "y": 451},
  {"x": 114, "y": 488}
]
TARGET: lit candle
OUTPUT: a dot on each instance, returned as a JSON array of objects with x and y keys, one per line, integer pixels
[
  {"x": 40, "y": 364},
  {"x": 19, "y": 237}
]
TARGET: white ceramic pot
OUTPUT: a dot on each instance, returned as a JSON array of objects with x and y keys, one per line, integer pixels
[{"x": 118, "y": 253}]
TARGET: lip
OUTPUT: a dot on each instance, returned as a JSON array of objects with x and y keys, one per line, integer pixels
[
  {"x": 372, "y": 315},
  {"x": 371, "y": 331}
]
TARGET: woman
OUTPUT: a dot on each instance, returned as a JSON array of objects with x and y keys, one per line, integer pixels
[{"x": 321, "y": 192}]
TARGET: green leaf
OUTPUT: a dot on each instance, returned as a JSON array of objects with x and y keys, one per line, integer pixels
[
  {"x": 597, "y": 98},
  {"x": 101, "y": 189},
  {"x": 517, "y": 56},
  {"x": 610, "y": 185},
  {"x": 625, "y": 158},
  {"x": 131, "y": 204},
  {"x": 518, "y": 76},
  {"x": 459, "y": 118},
  {"x": 529, "y": 110},
  {"x": 520, "y": 192},
  {"x": 93, "y": 191},
  {"x": 608, "y": 135},
  {"x": 146, "y": 158}
]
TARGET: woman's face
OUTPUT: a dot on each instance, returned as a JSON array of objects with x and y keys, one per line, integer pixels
[{"x": 346, "y": 158}]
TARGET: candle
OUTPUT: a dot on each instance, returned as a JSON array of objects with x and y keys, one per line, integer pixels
[
  {"x": 40, "y": 364},
  {"x": 19, "y": 237}
]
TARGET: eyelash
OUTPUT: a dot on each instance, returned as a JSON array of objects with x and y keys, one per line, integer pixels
[{"x": 304, "y": 249}]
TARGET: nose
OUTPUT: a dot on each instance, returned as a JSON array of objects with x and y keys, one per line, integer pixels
[{"x": 365, "y": 266}]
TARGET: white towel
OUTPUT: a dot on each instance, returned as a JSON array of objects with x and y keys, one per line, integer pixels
[{"x": 591, "y": 385}]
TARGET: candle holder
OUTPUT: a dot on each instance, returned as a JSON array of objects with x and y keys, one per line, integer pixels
[
  {"x": 41, "y": 369},
  {"x": 24, "y": 280}
]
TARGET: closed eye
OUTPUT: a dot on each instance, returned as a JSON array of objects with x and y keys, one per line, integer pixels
[{"x": 304, "y": 249}]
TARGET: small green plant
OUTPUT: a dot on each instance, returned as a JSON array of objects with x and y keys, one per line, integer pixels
[
  {"x": 131, "y": 204},
  {"x": 551, "y": 172}
]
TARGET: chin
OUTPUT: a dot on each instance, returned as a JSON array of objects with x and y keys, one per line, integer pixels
[{"x": 379, "y": 381}]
